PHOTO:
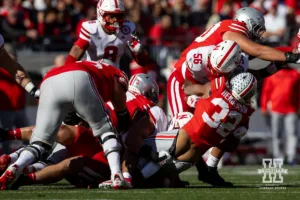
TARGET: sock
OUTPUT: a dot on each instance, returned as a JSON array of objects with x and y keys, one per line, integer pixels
[
  {"x": 14, "y": 134},
  {"x": 212, "y": 161},
  {"x": 113, "y": 157},
  {"x": 114, "y": 162},
  {"x": 127, "y": 177},
  {"x": 15, "y": 155},
  {"x": 27, "y": 157}
]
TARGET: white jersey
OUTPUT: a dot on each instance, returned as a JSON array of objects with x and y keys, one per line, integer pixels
[
  {"x": 160, "y": 118},
  {"x": 101, "y": 45},
  {"x": 197, "y": 61}
]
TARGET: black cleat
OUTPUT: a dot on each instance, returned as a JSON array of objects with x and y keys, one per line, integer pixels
[{"x": 210, "y": 175}]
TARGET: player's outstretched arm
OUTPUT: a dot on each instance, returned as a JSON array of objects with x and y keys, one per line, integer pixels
[
  {"x": 75, "y": 54},
  {"x": 253, "y": 49},
  {"x": 65, "y": 135},
  {"x": 18, "y": 72}
]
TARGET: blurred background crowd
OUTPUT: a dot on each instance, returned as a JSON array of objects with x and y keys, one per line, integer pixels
[{"x": 40, "y": 33}]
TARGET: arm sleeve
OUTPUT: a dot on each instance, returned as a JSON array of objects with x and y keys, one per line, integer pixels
[
  {"x": 238, "y": 28},
  {"x": 84, "y": 36}
]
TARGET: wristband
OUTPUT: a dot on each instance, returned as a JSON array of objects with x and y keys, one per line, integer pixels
[{"x": 30, "y": 88}]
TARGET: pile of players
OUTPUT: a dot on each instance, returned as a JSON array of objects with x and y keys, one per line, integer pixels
[{"x": 95, "y": 127}]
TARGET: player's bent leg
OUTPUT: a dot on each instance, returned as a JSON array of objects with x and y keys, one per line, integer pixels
[
  {"x": 95, "y": 114},
  {"x": 176, "y": 96},
  {"x": 50, "y": 114},
  {"x": 53, "y": 173}
]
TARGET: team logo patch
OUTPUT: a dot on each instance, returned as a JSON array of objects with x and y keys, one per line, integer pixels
[{"x": 125, "y": 29}]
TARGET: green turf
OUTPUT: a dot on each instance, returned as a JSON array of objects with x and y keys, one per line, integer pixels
[{"x": 247, "y": 183}]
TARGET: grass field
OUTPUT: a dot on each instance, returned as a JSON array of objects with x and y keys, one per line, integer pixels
[{"x": 247, "y": 181}]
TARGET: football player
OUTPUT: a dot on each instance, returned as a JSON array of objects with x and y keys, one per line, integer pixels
[
  {"x": 80, "y": 143},
  {"x": 202, "y": 65},
  {"x": 220, "y": 120},
  {"x": 83, "y": 86},
  {"x": 245, "y": 29},
  {"x": 108, "y": 36}
]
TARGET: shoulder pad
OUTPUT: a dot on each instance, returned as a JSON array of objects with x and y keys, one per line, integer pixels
[
  {"x": 91, "y": 26},
  {"x": 128, "y": 28},
  {"x": 197, "y": 58}
]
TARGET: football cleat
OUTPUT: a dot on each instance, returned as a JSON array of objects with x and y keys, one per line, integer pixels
[
  {"x": 9, "y": 177},
  {"x": 213, "y": 178},
  {"x": 105, "y": 185},
  {"x": 4, "y": 162},
  {"x": 117, "y": 182}
]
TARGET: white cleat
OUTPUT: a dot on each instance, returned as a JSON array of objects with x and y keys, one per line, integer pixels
[
  {"x": 10, "y": 176},
  {"x": 117, "y": 182}
]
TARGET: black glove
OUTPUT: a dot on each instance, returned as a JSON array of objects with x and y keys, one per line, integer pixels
[
  {"x": 292, "y": 57},
  {"x": 35, "y": 93}
]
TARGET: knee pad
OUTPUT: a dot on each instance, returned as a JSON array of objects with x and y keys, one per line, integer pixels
[{"x": 104, "y": 140}]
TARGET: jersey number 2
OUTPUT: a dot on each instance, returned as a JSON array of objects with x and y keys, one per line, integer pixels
[
  {"x": 111, "y": 53},
  {"x": 215, "y": 121}
]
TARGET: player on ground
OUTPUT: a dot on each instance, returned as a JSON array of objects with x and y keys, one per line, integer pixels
[
  {"x": 108, "y": 36},
  {"x": 220, "y": 120},
  {"x": 80, "y": 143},
  {"x": 17, "y": 71},
  {"x": 86, "y": 87}
]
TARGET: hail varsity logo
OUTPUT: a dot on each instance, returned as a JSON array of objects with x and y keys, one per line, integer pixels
[{"x": 272, "y": 171}]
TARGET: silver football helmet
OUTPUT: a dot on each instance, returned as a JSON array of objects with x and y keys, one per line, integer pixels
[
  {"x": 145, "y": 85},
  {"x": 254, "y": 21},
  {"x": 243, "y": 86}
]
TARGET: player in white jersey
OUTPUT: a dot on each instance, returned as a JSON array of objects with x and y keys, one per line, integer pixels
[
  {"x": 16, "y": 71},
  {"x": 202, "y": 65},
  {"x": 108, "y": 36}
]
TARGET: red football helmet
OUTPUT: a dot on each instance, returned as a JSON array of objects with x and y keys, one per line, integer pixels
[{"x": 110, "y": 14}]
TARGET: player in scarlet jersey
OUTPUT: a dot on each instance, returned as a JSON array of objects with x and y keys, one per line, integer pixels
[
  {"x": 80, "y": 143},
  {"x": 245, "y": 29},
  {"x": 219, "y": 120},
  {"x": 84, "y": 91}
]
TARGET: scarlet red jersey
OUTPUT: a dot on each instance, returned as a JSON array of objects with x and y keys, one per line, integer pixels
[
  {"x": 218, "y": 116},
  {"x": 134, "y": 102},
  {"x": 102, "y": 76},
  {"x": 213, "y": 36}
]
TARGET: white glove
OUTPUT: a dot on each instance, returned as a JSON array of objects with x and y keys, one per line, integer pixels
[
  {"x": 192, "y": 100},
  {"x": 135, "y": 45}
]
